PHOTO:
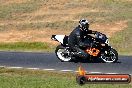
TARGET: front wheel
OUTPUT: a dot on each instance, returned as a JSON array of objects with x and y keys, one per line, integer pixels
[
  {"x": 111, "y": 58},
  {"x": 63, "y": 54}
]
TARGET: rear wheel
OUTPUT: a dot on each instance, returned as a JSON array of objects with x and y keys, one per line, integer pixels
[
  {"x": 63, "y": 54},
  {"x": 112, "y": 58}
]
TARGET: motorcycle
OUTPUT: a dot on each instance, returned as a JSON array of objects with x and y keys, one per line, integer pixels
[{"x": 99, "y": 51}]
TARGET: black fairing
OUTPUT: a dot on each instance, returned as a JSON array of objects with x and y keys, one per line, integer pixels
[
  {"x": 101, "y": 37},
  {"x": 65, "y": 41}
]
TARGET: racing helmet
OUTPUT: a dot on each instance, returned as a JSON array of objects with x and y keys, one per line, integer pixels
[{"x": 84, "y": 24}]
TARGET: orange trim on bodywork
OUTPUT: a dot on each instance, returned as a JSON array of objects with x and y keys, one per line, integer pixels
[{"x": 93, "y": 51}]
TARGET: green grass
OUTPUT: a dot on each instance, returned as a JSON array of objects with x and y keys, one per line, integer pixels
[
  {"x": 63, "y": 25},
  {"x": 45, "y": 16},
  {"x": 115, "y": 11},
  {"x": 108, "y": 11},
  {"x": 27, "y": 46},
  {"x": 14, "y": 11},
  {"x": 12, "y": 78},
  {"x": 122, "y": 40}
]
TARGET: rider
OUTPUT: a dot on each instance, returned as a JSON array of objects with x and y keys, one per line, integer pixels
[{"x": 76, "y": 37}]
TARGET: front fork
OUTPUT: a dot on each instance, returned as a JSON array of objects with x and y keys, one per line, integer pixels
[{"x": 107, "y": 50}]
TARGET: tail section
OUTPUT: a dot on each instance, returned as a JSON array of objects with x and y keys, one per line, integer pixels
[{"x": 59, "y": 38}]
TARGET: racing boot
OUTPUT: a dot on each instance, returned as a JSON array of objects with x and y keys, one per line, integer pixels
[{"x": 77, "y": 54}]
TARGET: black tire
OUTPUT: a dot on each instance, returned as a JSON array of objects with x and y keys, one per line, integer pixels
[
  {"x": 116, "y": 54},
  {"x": 114, "y": 60},
  {"x": 81, "y": 80},
  {"x": 59, "y": 56}
]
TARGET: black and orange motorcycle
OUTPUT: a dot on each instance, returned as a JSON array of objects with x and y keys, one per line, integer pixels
[{"x": 100, "y": 51}]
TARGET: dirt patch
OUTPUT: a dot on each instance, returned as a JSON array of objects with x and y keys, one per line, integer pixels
[
  {"x": 44, "y": 35},
  {"x": 57, "y": 10},
  {"x": 29, "y": 35},
  {"x": 54, "y": 10},
  {"x": 110, "y": 28},
  {"x": 14, "y": 1}
]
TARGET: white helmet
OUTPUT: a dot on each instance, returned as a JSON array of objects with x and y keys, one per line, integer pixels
[{"x": 84, "y": 24}]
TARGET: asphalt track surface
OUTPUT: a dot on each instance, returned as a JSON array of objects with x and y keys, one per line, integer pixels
[{"x": 48, "y": 61}]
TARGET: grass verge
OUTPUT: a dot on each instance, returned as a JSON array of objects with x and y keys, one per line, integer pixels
[
  {"x": 10, "y": 11},
  {"x": 27, "y": 46},
  {"x": 103, "y": 11},
  {"x": 63, "y": 25},
  {"x": 16, "y": 78},
  {"x": 122, "y": 40}
]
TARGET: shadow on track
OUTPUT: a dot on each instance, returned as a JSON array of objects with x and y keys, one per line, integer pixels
[{"x": 90, "y": 61}]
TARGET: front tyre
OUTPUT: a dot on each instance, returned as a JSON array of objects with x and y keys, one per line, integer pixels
[
  {"x": 111, "y": 58},
  {"x": 63, "y": 54}
]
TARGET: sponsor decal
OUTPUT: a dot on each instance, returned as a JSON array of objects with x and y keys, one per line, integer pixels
[{"x": 84, "y": 77}]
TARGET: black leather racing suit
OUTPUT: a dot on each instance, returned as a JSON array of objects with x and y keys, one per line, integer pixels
[{"x": 75, "y": 41}]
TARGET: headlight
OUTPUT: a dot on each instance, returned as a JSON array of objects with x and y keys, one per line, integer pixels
[{"x": 107, "y": 41}]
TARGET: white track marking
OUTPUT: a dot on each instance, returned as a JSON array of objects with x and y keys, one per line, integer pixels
[
  {"x": 33, "y": 68},
  {"x": 112, "y": 73},
  {"x": 2, "y": 66},
  {"x": 56, "y": 70},
  {"x": 76, "y": 71},
  {"x": 15, "y": 67},
  {"x": 66, "y": 70},
  {"x": 49, "y": 69},
  {"x": 95, "y": 72}
]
